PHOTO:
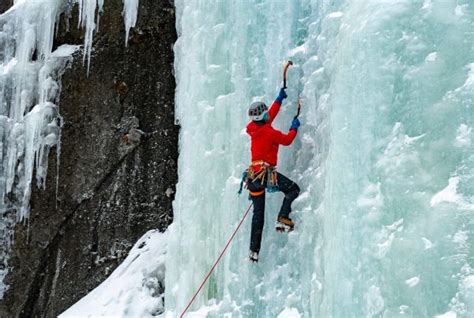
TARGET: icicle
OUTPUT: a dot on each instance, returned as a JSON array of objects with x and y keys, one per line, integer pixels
[
  {"x": 130, "y": 12},
  {"x": 87, "y": 10},
  {"x": 29, "y": 88},
  {"x": 101, "y": 9}
]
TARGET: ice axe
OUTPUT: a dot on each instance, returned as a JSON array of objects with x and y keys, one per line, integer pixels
[
  {"x": 287, "y": 65},
  {"x": 299, "y": 108},
  {"x": 285, "y": 70}
]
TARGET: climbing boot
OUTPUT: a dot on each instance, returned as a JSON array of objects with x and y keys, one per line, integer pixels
[
  {"x": 284, "y": 224},
  {"x": 253, "y": 257}
]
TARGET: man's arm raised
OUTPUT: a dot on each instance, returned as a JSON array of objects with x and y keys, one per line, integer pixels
[{"x": 275, "y": 108}]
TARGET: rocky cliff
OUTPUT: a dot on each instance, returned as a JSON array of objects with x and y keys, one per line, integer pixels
[{"x": 117, "y": 169}]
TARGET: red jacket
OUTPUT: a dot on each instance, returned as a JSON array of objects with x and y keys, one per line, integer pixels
[{"x": 265, "y": 140}]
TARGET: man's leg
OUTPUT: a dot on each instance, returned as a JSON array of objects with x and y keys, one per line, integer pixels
[
  {"x": 291, "y": 191},
  {"x": 258, "y": 214}
]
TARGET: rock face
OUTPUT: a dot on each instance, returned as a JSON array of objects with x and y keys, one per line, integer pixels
[
  {"x": 117, "y": 171},
  {"x": 5, "y": 4}
]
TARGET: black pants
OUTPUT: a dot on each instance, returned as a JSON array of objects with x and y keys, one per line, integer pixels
[{"x": 285, "y": 185}]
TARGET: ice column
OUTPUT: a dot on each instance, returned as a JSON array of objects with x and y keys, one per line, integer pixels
[
  {"x": 384, "y": 157},
  {"x": 29, "y": 118}
]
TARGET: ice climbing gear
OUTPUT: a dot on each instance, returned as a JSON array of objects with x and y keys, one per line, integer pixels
[
  {"x": 281, "y": 96},
  {"x": 216, "y": 262},
  {"x": 299, "y": 109},
  {"x": 260, "y": 170},
  {"x": 256, "y": 193},
  {"x": 287, "y": 65},
  {"x": 243, "y": 181},
  {"x": 257, "y": 170},
  {"x": 295, "y": 124},
  {"x": 272, "y": 180},
  {"x": 285, "y": 70},
  {"x": 284, "y": 224},
  {"x": 253, "y": 257},
  {"x": 257, "y": 111}
]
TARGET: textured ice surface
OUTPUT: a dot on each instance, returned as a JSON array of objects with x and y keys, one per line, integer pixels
[
  {"x": 30, "y": 122},
  {"x": 384, "y": 157},
  {"x": 384, "y": 224}
]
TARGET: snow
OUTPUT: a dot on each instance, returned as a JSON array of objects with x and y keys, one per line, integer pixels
[{"x": 135, "y": 288}]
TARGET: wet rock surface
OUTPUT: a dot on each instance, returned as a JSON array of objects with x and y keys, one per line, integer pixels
[{"x": 117, "y": 171}]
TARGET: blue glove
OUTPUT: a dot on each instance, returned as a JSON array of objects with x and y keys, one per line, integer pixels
[
  {"x": 281, "y": 96},
  {"x": 295, "y": 124}
]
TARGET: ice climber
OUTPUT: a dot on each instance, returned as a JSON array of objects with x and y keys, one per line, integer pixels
[{"x": 262, "y": 175}]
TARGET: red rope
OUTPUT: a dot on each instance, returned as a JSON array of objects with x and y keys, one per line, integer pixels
[{"x": 215, "y": 264}]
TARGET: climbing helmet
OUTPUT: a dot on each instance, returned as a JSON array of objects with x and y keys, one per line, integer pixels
[{"x": 257, "y": 111}]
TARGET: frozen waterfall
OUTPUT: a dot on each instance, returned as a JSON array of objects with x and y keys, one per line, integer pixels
[
  {"x": 384, "y": 224},
  {"x": 30, "y": 122}
]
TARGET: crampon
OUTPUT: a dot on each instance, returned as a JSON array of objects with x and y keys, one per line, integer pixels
[{"x": 284, "y": 224}]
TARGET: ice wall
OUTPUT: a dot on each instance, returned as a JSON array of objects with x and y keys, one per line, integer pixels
[
  {"x": 384, "y": 224},
  {"x": 30, "y": 122}
]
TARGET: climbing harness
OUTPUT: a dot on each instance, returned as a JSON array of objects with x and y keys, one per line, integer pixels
[
  {"x": 260, "y": 170},
  {"x": 216, "y": 262}
]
